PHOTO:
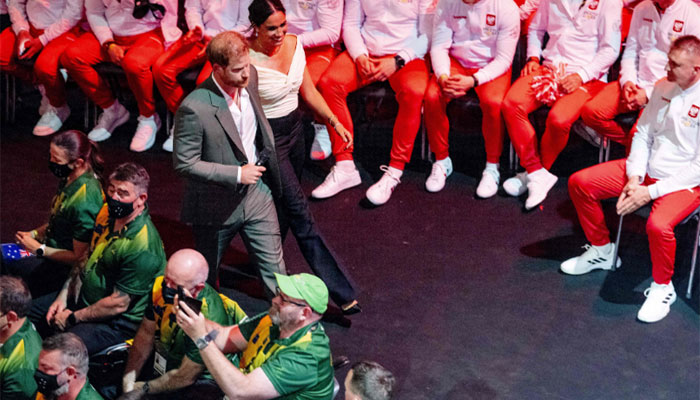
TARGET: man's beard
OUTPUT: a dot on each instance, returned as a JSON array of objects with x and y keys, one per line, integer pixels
[
  {"x": 58, "y": 392},
  {"x": 279, "y": 321}
]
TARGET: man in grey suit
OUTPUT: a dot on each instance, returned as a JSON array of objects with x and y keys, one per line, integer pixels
[{"x": 221, "y": 136}]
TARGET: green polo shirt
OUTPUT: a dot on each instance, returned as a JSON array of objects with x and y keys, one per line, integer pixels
[
  {"x": 299, "y": 366},
  {"x": 73, "y": 212},
  {"x": 128, "y": 260},
  {"x": 171, "y": 342},
  {"x": 86, "y": 393},
  {"x": 19, "y": 358}
]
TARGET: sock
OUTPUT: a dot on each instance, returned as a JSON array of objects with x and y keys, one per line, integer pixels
[
  {"x": 446, "y": 163},
  {"x": 605, "y": 249},
  {"x": 492, "y": 168},
  {"x": 346, "y": 165},
  {"x": 396, "y": 173}
]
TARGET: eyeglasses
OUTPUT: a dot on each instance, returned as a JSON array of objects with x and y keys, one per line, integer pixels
[{"x": 279, "y": 294}]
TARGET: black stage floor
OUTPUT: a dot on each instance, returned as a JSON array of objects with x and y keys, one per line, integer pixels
[{"x": 462, "y": 297}]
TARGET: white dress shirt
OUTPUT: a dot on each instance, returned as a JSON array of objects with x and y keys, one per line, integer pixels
[
  {"x": 483, "y": 35},
  {"x": 315, "y": 22},
  {"x": 55, "y": 17},
  {"x": 383, "y": 27},
  {"x": 649, "y": 40},
  {"x": 115, "y": 17},
  {"x": 216, "y": 16},
  {"x": 246, "y": 123},
  {"x": 666, "y": 145},
  {"x": 585, "y": 36}
]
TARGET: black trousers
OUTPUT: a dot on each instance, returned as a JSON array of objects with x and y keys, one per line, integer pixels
[
  {"x": 41, "y": 275},
  {"x": 97, "y": 336},
  {"x": 294, "y": 209}
]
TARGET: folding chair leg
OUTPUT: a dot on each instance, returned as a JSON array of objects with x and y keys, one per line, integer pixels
[
  {"x": 617, "y": 244},
  {"x": 693, "y": 262},
  {"x": 512, "y": 157}
]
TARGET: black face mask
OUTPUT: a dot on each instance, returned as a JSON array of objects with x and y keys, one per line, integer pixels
[
  {"x": 60, "y": 170},
  {"x": 168, "y": 294},
  {"x": 118, "y": 209},
  {"x": 46, "y": 384}
]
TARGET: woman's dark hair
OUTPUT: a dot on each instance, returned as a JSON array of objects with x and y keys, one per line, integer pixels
[
  {"x": 77, "y": 145},
  {"x": 260, "y": 10}
]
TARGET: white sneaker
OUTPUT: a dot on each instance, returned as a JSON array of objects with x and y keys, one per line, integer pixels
[
  {"x": 380, "y": 192},
  {"x": 168, "y": 144},
  {"x": 438, "y": 175},
  {"x": 516, "y": 185},
  {"x": 591, "y": 259},
  {"x": 489, "y": 184},
  {"x": 539, "y": 185},
  {"x": 336, "y": 181},
  {"x": 321, "y": 147},
  {"x": 111, "y": 118},
  {"x": 658, "y": 302},
  {"x": 145, "y": 135},
  {"x": 52, "y": 120}
]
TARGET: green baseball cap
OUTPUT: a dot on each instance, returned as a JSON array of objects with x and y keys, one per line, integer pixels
[{"x": 307, "y": 287}]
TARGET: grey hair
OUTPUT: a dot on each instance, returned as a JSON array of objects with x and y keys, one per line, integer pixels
[
  {"x": 73, "y": 351},
  {"x": 371, "y": 381}
]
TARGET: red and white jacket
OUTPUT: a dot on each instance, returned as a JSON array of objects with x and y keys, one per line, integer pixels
[
  {"x": 649, "y": 40},
  {"x": 382, "y": 27},
  {"x": 583, "y": 36},
  {"x": 315, "y": 22},
  {"x": 216, "y": 16},
  {"x": 115, "y": 17},
  {"x": 55, "y": 17},
  {"x": 482, "y": 35}
]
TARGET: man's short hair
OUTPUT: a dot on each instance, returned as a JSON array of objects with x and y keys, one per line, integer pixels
[
  {"x": 226, "y": 46},
  {"x": 14, "y": 296},
  {"x": 371, "y": 381},
  {"x": 72, "y": 348},
  {"x": 134, "y": 173},
  {"x": 688, "y": 43}
]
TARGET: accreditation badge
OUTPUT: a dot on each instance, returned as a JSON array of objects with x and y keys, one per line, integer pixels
[{"x": 160, "y": 364}]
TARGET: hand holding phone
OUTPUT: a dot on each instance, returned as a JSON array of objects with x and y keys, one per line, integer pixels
[{"x": 191, "y": 302}]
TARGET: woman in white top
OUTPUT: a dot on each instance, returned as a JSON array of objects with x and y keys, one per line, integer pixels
[{"x": 282, "y": 75}]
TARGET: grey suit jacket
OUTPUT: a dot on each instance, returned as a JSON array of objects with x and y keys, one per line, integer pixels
[{"x": 208, "y": 152}]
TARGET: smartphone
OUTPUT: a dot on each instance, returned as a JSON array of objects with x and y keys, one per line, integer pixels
[{"x": 191, "y": 302}]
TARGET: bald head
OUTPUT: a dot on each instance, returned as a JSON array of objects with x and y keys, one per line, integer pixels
[{"x": 187, "y": 268}]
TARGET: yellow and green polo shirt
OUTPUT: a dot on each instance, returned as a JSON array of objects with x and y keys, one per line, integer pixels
[
  {"x": 19, "y": 358},
  {"x": 171, "y": 342},
  {"x": 299, "y": 367},
  {"x": 128, "y": 260},
  {"x": 73, "y": 212}
]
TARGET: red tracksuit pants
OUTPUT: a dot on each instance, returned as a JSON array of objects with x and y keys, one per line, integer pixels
[
  {"x": 46, "y": 69},
  {"x": 141, "y": 52},
  {"x": 491, "y": 96},
  {"x": 178, "y": 58},
  {"x": 600, "y": 111},
  {"x": 603, "y": 181},
  {"x": 318, "y": 59},
  {"x": 409, "y": 84},
  {"x": 520, "y": 102}
]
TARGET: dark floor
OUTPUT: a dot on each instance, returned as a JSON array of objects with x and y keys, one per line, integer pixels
[{"x": 462, "y": 297}]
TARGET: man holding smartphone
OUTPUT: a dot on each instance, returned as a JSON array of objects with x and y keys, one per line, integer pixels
[{"x": 177, "y": 365}]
